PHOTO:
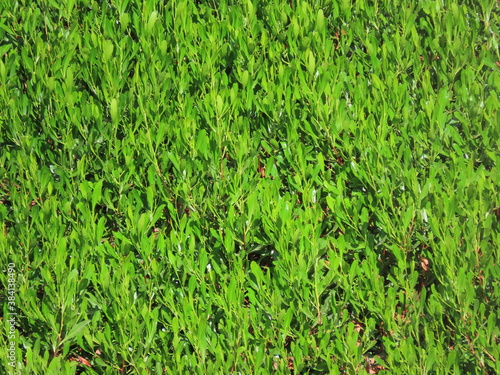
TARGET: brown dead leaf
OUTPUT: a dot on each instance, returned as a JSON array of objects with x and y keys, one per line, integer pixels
[
  {"x": 261, "y": 168},
  {"x": 290, "y": 363},
  {"x": 424, "y": 263},
  {"x": 358, "y": 327},
  {"x": 81, "y": 360},
  {"x": 275, "y": 366},
  {"x": 372, "y": 367}
]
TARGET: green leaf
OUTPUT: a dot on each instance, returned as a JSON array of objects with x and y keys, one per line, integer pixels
[
  {"x": 96, "y": 193},
  {"x": 150, "y": 193},
  {"x": 219, "y": 105},
  {"x": 153, "y": 17},
  {"x": 257, "y": 271},
  {"x": 113, "y": 110},
  {"x": 124, "y": 21},
  {"x": 4, "y": 49},
  {"x": 175, "y": 161},
  {"x": 244, "y": 78},
  {"x": 107, "y": 50},
  {"x": 202, "y": 142},
  {"x": 75, "y": 331},
  {"x": 331, "y": 203},
  {"x": 320, "y": 20}
]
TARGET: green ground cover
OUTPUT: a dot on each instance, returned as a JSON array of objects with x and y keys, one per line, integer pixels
[{"x": 250, "y": 187}]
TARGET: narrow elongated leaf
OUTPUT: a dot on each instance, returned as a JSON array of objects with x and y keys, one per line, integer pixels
[
  {"x": 96, "y": 193},
  {"x": 75, "y": 331}
]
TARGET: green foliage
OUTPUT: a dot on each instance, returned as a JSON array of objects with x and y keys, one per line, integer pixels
[{"x": 251, "y": 187}]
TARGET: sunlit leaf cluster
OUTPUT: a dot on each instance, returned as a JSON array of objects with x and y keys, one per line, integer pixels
[{"x": 251, "y": 187}]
